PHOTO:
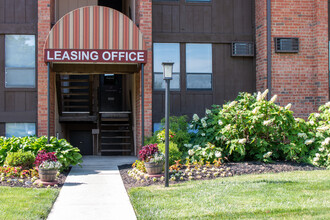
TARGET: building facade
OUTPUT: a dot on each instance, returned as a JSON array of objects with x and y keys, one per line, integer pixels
[{"x": 101, "y": 61}]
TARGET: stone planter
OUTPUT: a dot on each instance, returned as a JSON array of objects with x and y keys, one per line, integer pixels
[
  {"x": 47, "y": 175},
  {"x": 154, "y": 168}
]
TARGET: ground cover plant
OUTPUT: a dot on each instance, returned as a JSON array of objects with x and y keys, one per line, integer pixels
[
  {"x": 24, "y": 203},
  {"x": 292, "y": 195}
]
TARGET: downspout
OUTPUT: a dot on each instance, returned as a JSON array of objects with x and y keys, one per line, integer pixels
[{"x": 269, "y": 50}]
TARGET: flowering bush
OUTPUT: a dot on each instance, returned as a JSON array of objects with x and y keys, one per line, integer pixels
[
  {"x": 251, "y": 128},
  {"x": 161, "y": 135},
  {"x": 44, "y": 156},
  {"x": 208, "y": 153},
  {"x": 319, "y": 136},
  {"x": 148, "y": 152},
  {"x": 50, "y": 165}
]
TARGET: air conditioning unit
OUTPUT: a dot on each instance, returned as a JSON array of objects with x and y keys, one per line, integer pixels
[
  {"x": 286, "y": 45},
  {"x": 242, "y": 49}
]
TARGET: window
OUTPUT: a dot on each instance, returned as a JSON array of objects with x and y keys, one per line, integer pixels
[
  {"x": 20, "y": 129},
  {"x": 199, "y": 66},
  {"x": 20, "y": 61},
  {"x": 166, "y": 52}
]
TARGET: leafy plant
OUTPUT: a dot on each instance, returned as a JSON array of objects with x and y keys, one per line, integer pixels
[
  {"x": 319, "y": 136},
  {"x": 179, "y": 126},
  {"x": 148, "y": 151},
  {"x": 44, "y": 156},
  {"x": 139, "y": 164},
  {"x": 174, "y": 152},
  {"x": 20, "y": 159},
  {"x": 66, "y": 154},
  {"x": 50, "y": 165},
  {"x": 207, "y": 153},
  {"x": 252, "y": 128}
]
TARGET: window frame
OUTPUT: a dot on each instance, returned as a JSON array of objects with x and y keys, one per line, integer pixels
[
  {"x": 198, "y": 73},
  {"x": 161, "y": 73},
  {"x": 14, "y": 87}
]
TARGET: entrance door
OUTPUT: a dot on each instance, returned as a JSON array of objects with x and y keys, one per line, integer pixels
[
  {"x": 111, "y": 92},
  {"x": 83, "y": 140}
]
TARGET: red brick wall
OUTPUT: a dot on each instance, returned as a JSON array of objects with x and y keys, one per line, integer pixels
[
  {"x": 144, "y": 21},
  {"x": 297, "y": 78},
  {"x": 44, "y": 20}
]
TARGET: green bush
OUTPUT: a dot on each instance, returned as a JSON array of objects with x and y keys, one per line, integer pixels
[
  {"x": 20, "y": 159},
  {"x": 66, "y": 154},
  {"x": 251, "y": 128},
  {"x": 179, "y": 126},
  {"x": 318, "y": 136},
  {"x": 174, "y": 152}
]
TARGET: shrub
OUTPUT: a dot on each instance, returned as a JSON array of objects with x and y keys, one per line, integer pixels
[
  {"x": 251, "y": 128},
  {"x": 179, "y": 127},
  {"x": 174, "y": 152},
  {"x": 66, "y": 154},
  {"x": 20, "y": 159},
  {"x": 319, "y": 136},
  {"x": 207, "y": 153}
]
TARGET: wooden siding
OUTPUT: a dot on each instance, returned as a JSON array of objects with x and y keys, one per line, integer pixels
[
  {"x": 16, "y": 105},
  {"x": 65, "y": 6},
  {"x": 216, "y": 22},
  {"x": 18, "y": 16}
]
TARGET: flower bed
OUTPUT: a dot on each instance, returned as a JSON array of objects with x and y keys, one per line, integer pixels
[
  {"x": 18, "y": 177},
  {"x": 132, "y": 177}
]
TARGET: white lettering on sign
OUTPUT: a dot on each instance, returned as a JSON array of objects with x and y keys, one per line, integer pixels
[{"x": 80, "y": 55}]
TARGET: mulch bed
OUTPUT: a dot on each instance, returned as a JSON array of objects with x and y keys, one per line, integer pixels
[
  {"x": 27, "y": 182},
  {"x": 225, "y": 170}
]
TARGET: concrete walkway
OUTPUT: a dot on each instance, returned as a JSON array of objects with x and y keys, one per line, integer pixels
[{"x": 95, "y": 191}]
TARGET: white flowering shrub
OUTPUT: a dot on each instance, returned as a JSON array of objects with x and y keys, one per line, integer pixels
[
  {"x": 319, "y": 128},
  {"x": 251, "y": 128},
  {"x": 208, "y": 153}
]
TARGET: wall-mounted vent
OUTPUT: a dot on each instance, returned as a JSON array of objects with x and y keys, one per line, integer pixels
[
  {"x": 242, "y": 49},
  {"x": 286, "y": 45}
]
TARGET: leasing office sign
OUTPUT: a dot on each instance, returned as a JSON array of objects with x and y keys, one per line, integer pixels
[{"x": 94, "y": 56}]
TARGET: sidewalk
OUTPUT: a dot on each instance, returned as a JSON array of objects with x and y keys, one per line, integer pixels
[{"x": 95, "y": 191}]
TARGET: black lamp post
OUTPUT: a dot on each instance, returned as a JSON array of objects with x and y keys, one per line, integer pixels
[{"x": 167, "y": 76}]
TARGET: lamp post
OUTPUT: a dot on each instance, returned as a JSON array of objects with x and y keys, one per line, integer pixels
[{"x": 167, "y": 76}]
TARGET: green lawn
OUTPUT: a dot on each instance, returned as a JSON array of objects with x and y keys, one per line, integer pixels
[
  {"x": 25, "y": 203},
  {"x": 294, "y": 195}
]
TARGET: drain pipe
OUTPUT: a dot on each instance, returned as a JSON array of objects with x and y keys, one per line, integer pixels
[{"x": 269, "y": 50}]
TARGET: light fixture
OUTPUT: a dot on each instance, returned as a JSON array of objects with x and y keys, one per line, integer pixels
[{"x": 167, "y": 70}]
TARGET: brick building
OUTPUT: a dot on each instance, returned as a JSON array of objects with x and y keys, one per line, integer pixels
[{"x": 97, "y": 52}]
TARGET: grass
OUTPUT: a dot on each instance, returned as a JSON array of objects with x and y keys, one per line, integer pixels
[
  {"x": 26, "y": 203},
  {"x": 302, "y": 195}
]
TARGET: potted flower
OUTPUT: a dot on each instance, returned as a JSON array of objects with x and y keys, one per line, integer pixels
[
  {"x": 153, "y": 159},
  {"x": 48, "y": 165}
]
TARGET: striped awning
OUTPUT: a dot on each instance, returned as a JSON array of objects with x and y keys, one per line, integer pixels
[{"x": 95, "y": 27}]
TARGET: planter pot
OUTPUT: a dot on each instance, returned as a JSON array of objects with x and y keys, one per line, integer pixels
[
  {"x": 47, "y": 175},
  {"x": 154, "y": 168}
]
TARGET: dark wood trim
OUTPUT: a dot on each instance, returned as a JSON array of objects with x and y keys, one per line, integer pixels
[
  {"x": 18, "y": 29},
  {"x": 90, "y": 94},
  {"x": 200, "y": 37},
  {"x": 58, "y": 93},
  {"x": 2, "y": 129},
  {"x": 20, "y": 89},
  {"x": 18, "y": 117}
]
